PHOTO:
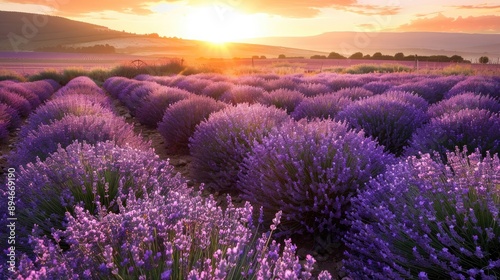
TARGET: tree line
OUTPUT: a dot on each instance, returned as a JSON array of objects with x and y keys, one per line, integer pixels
[
  {"x": 90, "y": 49},
  {"x": 398, "y": 56}
]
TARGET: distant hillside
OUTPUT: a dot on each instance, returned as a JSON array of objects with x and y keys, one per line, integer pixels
[
  {"x": 422, "y": 43},
  {"x": 29, "y": 32}
]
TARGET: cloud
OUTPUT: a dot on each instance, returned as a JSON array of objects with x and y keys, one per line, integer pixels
[
  {"x": 477, "y": 7},
  {"x": 286, "y": 8},
  {"x": 370, "y": 10},
  {"x": 75, "y": 7},
  {"x": 441, "y": 23}
]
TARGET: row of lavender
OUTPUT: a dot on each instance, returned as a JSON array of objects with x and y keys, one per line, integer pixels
[
  {"x": 17, "y": 100},
  {"x": 95, "y": 202},
  {"x": 311, "y": 159}
]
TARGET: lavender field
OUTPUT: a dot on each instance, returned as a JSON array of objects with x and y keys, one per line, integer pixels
[{"x": 262, "y": 176}]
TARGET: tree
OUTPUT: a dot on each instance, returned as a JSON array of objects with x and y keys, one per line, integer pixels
[
  {"x": 281, "y": 56},
  {"x": 484, "y": 59},
  {"x": 377, "y": 55},
  {"x": 358, "y": 55},
  {"x": 334, "y": 55},
  {"x": 456, "y": 58},
  {"x": 399, "y": 56}
]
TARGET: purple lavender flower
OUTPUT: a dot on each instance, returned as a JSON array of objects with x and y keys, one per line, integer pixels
[
  {"x": 387, "y": 118},
  {"x": 92, "y": 129},
  {"x": 477, "y": 84},
  {"x": 378, "y": 87},
  {"x": 471, "y": 128},
  {"x": 424, "y": 219},
  {"x": 355, "y": 93},
  {"x": 17, "y": 102},
  {"x": 24, "y": 92},
  {"x": 313, "y": 89},
  {"x": 220, "y": 143},
  {"x": 321, "y": 106},
  {"x": 242, "y": 94},
  {"x": 94, "y": 177},
  {"x": 9, "y": 116},
  {"x": 150, "y": 111},
  {"x": 180, "y": 120},
  {"x": 216, "y": 90},
  {"x": 462, "y": 101},
  {"x": 310, "y": 170},
  {"x": 282, "y": 99}
]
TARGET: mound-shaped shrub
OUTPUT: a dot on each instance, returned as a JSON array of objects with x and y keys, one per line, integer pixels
[
  {"x": 355, "y": 93},
  {"x": 44, "y": 88},
  {"x": 321, "y": 106},
  {"x": 216, "y": 90},
  {"x": 283, "y": 99},
  {"x": 220, "y": 143},
  {"x": 80, "y": 85},
  {"x": 421, "y": 89},
  {"x": 474, "y": 129},
  {"x": 242, "y": 94},
  {"x": 9, "y": 116},
  {"x": 426, "y": 220},
  {"x": 24, "y": 92},
  {"x": 137, "y": 93},
  {"x": 180, "y": 120},
  {"x": 476, "y": 84},
  {"x": 115, "y": 85},
  {"x": 91, "y": 129},
  {"x": 151, "y": 110},
  {"x": 462, "y": 101},
  {"x": 57, "y": 109},
  {"x": 96, "y": 177},
  {"x": 339, "y": 82},
  {"x": 378, "y": 87},
  {"x": 407, "y": 97},
  {"x": 180, "y": 236},
  {"x": 310, "y": 171},
  {"x": 388, "y": 120},
  {"x": 15, "y": 101},
  {"x": 281, "y": 83},
  {"x": 313, "y": 89},
  {"x": 193, "y": 85}
]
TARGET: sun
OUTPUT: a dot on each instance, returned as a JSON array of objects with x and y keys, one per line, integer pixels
[{"x": 219, "y": 25}]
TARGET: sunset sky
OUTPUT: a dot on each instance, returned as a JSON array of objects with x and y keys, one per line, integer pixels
[{"x": 237, "y": 19}]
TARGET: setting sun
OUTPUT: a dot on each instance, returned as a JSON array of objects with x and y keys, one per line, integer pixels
[{"x": 219, "y": 25}]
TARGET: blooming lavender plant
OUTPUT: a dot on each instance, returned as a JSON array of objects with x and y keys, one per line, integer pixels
[
  {"x": 15, "y": 101},
  {"x": 193, "y": 85},
  {"x": 389, "y": 120},
  {"x": 220, "y": 143},
  {"x": 136, "y": 93},
  {"x": 150, "y": 111},
  {"x": 180, "y": 120},
  {"x": 176, "y": 236},
  {"x": 313, "y": 89},
  {"x": 378, "y": 87},
  {"x": 281, "y": 83},
  {"x": 92, "y": 129},
  {"x": 43, "y": 88},
  {"x": 115, "y": 85},
  {"x": 310, "y": 171},
  {"x": 242, "y": 94},
  {"x": 478, "y": 84},
  {"x": 321, "y": 106},
  {"x": 462, "y": 101},
  {"x": 426, "y": 220},
  {"x": 24, "y": 92},
  {"x": 284, "y": 99},
  {"x": 57, "y": 109},
  {"x": 216, "y": 90},
  {"x": 94, "y": 177},
  {"x": 355, "y": 93},
  {"x": 9, "y": 116},
  {"x": 471, "y": 128},
  {"x": 80, "y": 85}
]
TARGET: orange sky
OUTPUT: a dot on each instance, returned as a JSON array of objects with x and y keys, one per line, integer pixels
[{"x": 238, "y": 19}]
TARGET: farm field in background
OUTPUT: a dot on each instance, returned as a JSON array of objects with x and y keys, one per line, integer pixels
[{"x": 252, "y": 169}]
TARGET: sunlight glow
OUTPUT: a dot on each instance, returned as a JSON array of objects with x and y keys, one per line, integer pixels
[{"x": 219, "y": 24}]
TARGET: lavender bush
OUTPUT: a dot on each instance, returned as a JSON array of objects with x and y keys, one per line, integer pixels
[
  {"x": 474, "y": 129},
  {"x": 24, "y": 92},
  {"x": 321, "y": 106},
  {"x": 93, "y": 177},
  {"x": 80, "y": 85},
  {"x": 439, "y": 221},
  {"x": 180, "y": 120},
  {"x": 150, "y": 111},
  {"x": 92, "y": 129},
  {"x": 216, "y": 90},
  {"x": 283, "y": 99},
  {"x": 281, "y": 83},
  {"x": 178, "y": 236},
  {"x": 115, "y": 85},
  {"x": 378, "y": 87},
  {"x": 462, "y": 101},
  {"x": 313, "y": 89},
  {"x": 220, "y": 143},
  {"x": 136, "y": 93},
  {"x": 476, "y": 84},
  {"x": 44, "y": 88},
  {"x": 355, "y": 93},
  {"x": 9, "y": 116},
  {"x": 242, "y": 94},
  {"x": 4, "y": 130},
  {"x": 15, "y": 101},
  {"x": 58, "y": 108},
  {"x": 310, "y": 171},
  {"x": 389, "y": 120}
]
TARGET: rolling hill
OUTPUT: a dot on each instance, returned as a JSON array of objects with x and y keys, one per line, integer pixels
[
  {"x": 423, "y": 43},
  {"x": 29, "y": 32}
]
